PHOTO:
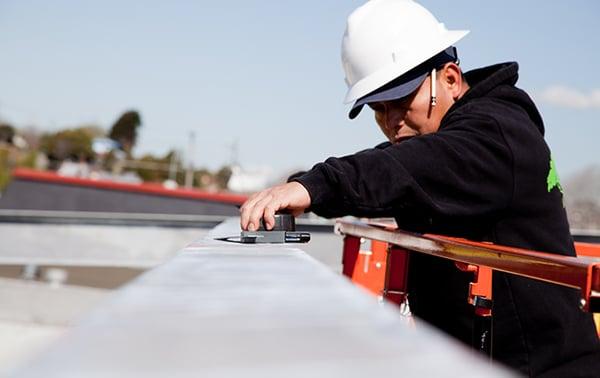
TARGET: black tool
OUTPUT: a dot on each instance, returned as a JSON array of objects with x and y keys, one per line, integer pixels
[{"x": 284, "y": 231}]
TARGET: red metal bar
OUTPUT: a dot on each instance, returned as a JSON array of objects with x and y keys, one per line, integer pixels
[
  {"x": 577, "y": 272},
  {"x": 396, "y": 275},
  {"x": 350, "y": 254},
  {"x": 365, "y": 268},
  {"x": 587, "y": 249}
]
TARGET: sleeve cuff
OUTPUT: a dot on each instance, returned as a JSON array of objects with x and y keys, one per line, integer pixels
[{"x": 315, "y": 184}]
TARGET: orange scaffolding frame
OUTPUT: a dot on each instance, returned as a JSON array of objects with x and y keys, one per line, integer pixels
[{"x": 383, "y": 268}]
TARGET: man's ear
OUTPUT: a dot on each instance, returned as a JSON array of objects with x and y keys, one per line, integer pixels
[{"x": 452, "y": 78}]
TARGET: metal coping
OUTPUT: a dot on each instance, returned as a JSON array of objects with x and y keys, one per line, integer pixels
[{"x": 228, "y": 310}]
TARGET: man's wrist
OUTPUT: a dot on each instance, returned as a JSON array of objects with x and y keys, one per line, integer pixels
[{"x": 312, "y": 181}]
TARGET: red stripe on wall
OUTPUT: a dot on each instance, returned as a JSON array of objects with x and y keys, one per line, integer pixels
[{"x": 146, "y": 188}]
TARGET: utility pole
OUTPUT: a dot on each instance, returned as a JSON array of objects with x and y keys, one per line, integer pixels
[
  {"x": 234, "y": 153},
  {"x": 189, "y": 174},
  {"x": 173, "y": 166}
]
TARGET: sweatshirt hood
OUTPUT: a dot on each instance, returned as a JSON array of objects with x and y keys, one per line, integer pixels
[{"x": 498, "y": 81}]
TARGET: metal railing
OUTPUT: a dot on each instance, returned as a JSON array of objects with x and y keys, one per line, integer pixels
[{"x": 580, "y": 272}]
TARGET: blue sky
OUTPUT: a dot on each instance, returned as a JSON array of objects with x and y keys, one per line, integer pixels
[{"x": 268, "y": 73}]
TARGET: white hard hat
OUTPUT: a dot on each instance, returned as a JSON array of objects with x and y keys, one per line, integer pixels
[{"x": 386, "y": 39}]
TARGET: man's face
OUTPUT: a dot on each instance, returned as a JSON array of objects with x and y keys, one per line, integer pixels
[{"x": 411, "y": 115}]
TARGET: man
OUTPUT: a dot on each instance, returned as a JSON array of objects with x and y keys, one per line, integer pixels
[{"x": 466, "y": 157}]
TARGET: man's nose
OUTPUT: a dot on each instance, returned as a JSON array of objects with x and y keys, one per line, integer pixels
[{"x": 392, "y": 117}]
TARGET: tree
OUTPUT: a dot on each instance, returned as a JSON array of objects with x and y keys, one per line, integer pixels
[
  {"x": 5, "y": 168},
  {"x": 222, "y": 177},
  {"x": 156, "y": 169},
  {"x": 7, "y": 132},
  {"x": 32, "y": 136},
  {"x": 124, "y": 131},
  {"x": 75, "y": 144}
]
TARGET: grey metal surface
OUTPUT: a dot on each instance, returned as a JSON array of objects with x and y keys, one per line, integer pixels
[
  {"x": 91, "y": 245},
  {"x": 31, "y": 302},
  {"x": 109, "y": 218},
  {"x": 118, "y": 246},
  {"x": 230, "y": 310},
  {"x": 21, "y": 340}
]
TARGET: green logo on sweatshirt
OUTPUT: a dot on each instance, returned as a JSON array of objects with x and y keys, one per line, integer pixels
[{"x": 553, "y": 180}]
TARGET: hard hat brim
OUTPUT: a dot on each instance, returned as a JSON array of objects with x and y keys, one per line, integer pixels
[
  {"x": 386, "y": 94},
  {"x": 393, "y": 70},
  {"x": 405, "y": 84}
]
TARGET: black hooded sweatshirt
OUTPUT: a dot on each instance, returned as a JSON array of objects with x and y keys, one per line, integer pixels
[{"x": 486, "y": 174}]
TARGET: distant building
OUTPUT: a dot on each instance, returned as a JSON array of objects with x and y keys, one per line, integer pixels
[
  {"x": 103, "y": 146},
  {"x": 247, "y": 181}
]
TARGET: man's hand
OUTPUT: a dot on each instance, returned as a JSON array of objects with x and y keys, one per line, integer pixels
[{"x": 263, "y": 205}]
